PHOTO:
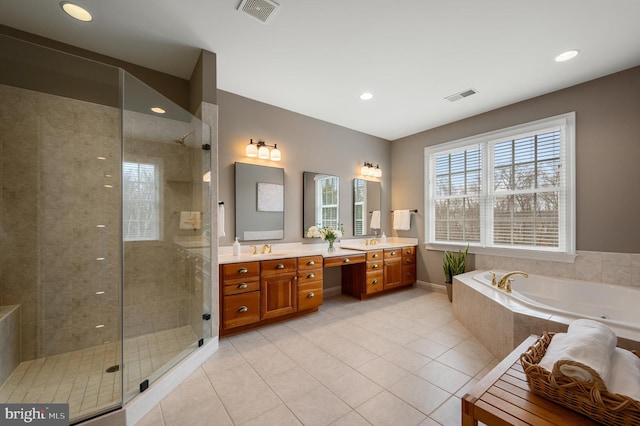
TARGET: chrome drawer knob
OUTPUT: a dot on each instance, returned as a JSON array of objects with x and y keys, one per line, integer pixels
[{"x": 242, "y": 309}]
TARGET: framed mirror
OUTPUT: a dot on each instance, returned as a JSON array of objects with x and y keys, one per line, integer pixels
[
  {"x": 366, "y": 207},
  {"x": 321, "y": 201},
  {"x": 259, "y": 202}
]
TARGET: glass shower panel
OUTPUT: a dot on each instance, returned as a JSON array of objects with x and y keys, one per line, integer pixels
[
  {"x": 60, "y": 259},
  {"x": 166, "y": 228}
]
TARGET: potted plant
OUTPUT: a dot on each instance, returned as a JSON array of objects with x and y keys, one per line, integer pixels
[{"x": 453, "y": 264}]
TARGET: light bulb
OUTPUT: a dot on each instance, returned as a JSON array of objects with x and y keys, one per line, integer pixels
[
  {"x": 251, "y": 150},
  {"x": 364, "y": 170},
  {"x": 263, "y": 153},
  {"x": 275, "y": 153},
  {"x": 377, "y": 171}
]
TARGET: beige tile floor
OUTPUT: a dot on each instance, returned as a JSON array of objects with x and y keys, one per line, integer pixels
[
  {"x": 400, "y": 359},
  {"x": 80, "y": 378}
]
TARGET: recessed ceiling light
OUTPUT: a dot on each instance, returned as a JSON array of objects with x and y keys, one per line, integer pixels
[
  {"x": 566, "y": 56},
  {"x": 366, "y": 96},
  {"x": 158, "y": 110}
]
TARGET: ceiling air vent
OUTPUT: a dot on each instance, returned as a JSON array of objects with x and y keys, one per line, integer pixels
[
  {"x": 460, "y": 95},
  {"x": 262, "y": 10}
]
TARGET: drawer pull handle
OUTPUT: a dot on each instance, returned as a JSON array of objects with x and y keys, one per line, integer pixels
[
  {"x": 310, "y": 295},
  {"x": 311, "y": 276},
  {"x": 375, "y": 266},
  {"x": 375, "y": 255},
  {"x": 279, "y": 266},
  {"x": 243, "y": 285},
  {"x": 311, "y": 262},
  {"x": 243, "y": 270},
  {"x": 393, "y": 253},
  {"x": 347, "y": 260},
  {"x": 408, "y": 274},
  {"x": 408, "y": 252},
  {"x": 242, "y": 309},
  {"x": 374, "y": 282},
  {"x": 408, "y": 260}
]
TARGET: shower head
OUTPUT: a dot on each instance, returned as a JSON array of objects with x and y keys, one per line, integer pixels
[{"x": 180, "y": 140}]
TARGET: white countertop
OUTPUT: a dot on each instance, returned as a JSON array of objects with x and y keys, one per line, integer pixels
[{"x": 201, "y": 247}]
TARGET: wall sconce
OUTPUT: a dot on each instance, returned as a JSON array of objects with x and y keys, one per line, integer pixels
[
  {"x": 261, "y": 150},
  {"x": 368, "y": 170}
]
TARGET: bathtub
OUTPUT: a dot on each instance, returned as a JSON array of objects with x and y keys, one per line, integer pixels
[{"x": 502, "y": 320}]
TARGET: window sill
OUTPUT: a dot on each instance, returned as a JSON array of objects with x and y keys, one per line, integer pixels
[{"x": 550, "y": 256}]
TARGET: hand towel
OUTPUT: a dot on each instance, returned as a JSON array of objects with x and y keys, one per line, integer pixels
[
  {"x": 402, "y": 220},
  {"x": 190, "y": 220},
  {"x": 375, "y": 220},
  {"x": 625, "y": 374},
  {"x": 221, "y": 221},
  {"x": 588, "y": 342}
]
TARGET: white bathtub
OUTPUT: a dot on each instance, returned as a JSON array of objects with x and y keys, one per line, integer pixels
[{"x": 540, "y": 303}]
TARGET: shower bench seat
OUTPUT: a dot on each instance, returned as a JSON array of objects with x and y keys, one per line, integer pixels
[{"x": 503, "y": 397}]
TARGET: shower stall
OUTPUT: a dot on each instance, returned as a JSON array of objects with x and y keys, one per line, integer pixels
[{"x": 105, "y": 224}]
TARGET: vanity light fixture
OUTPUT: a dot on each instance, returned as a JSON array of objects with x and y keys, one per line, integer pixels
[
  {"x": 76, "y": 12},
  {"x": 263, "y": 151},
  {"x": 368, "y": 170}
]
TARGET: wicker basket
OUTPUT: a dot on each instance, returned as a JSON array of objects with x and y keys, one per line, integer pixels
[{"x": 591, "y": 399}]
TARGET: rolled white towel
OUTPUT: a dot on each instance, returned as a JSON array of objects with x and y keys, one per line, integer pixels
[
  {"x": 625, "y": 374},
  {"x": 587, "y": 342},
  {"x": 375, "y": 220}
]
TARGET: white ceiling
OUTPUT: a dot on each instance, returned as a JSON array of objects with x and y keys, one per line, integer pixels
[{"x": 315, "y": 57}]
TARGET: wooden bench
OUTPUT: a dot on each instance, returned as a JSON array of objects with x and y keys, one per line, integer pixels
[{"x": 503, "y": 397}]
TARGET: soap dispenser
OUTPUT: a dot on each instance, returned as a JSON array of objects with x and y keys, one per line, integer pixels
[
  {"x": 236, "y": 247},
  {"x": 383, "y": 239}
]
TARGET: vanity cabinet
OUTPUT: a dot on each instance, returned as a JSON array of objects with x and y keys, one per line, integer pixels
[
  {"x": 310, "y": 282},
  {"x": 240, "y": 294},
  {"x": 392, "y": 268},
  {"x": 375, "y": 267},
  {"x": 258, "y": 293},
  {"x": 408, "y": 265},
  {"x": 278, "y": 287}
]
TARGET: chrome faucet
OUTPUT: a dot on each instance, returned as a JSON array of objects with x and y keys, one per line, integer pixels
[{"x": 505, "y": 281}]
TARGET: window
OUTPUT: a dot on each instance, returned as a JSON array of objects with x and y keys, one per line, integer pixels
[
  {"x": 505, "y": 192},
  {"x": 327, "y": 201},
  {"x": 359, "y": 206},
  {"x": 141, "y": 201}
]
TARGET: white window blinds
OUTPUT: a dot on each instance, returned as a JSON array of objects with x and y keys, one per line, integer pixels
[
  {"x": 327, "y": 201},
  {"x": 510, "y": 189},
  {"x": 141, "y": 201}
]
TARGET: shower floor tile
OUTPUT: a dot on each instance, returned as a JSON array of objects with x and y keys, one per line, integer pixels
[{"x": 80, "y": 377}]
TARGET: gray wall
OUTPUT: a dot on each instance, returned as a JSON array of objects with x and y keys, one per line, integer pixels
[
  {"x": 307, "y": 144},
  {"x": 607, "y": 153}
]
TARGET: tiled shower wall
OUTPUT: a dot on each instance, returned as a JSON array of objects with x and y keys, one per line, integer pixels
[
  {"x": 609, "y": 268},
  {"x": 54, "y": 258},
  {"x": 53, "y": 199}
]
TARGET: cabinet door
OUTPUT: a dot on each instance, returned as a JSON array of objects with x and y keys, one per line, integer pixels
[
  {"x": 278, "y": 295},
  {"x": 392, "y": 273}
]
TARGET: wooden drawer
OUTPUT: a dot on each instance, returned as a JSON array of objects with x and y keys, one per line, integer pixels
[
  {"x": 408, "y": 260},
  {"x": 309, "y": 295},
  {"x": 279, "y": 266},
  {"x": 241, "y": 309},
  {"x": 408, "y": 274},
  {"x": 305, "y": 276},
  {"x": 309, "y": 262},
  {"x": 408, "y": 251},
  {"x": 375, "y": 266},
  {"x": 232, "y": 271},
  {"x": 241, "y": 286},
  {"x": 374, "y": 282},
  {"x": 393, "y": 254},
  {"x": 343, "y": 260},
  {"x": 374, "y": 255}
]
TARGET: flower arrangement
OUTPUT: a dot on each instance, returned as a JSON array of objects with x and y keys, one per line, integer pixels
[{"x": 328, "y": 233}]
